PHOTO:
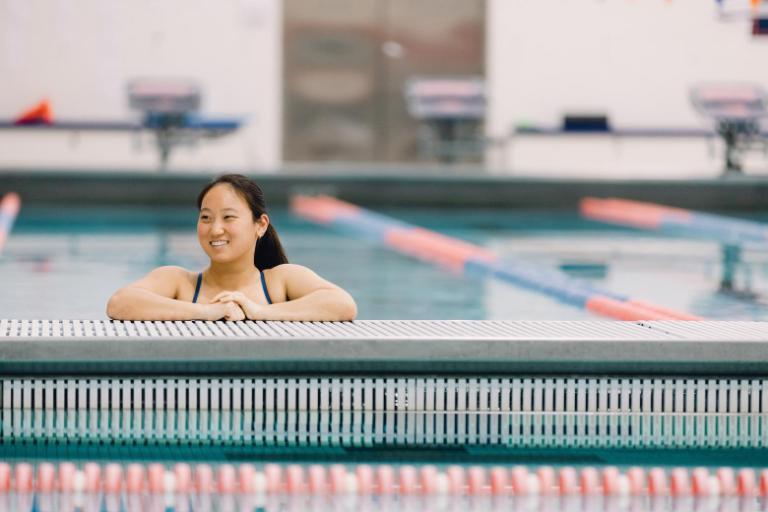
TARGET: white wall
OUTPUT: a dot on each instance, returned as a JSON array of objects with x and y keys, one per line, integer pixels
[
  {"x": 631, "y": 59},
  {"x": 81, "y": 54}
]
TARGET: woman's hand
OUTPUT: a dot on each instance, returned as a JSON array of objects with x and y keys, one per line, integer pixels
[
  {"x": 251, "y": 309},
  {"x": 229, "y": 311}
]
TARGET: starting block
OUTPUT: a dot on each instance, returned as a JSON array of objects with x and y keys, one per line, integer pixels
[
  {"x": 167, "y": 108},
  {"x": 737, "y": 110}
]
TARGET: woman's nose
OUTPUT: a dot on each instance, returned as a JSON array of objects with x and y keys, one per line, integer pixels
[{"x": 217, "y": 227}]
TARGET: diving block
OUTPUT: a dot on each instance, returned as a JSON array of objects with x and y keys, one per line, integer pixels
[
  {"x": 650, "y": 216},
  {"x": 211, "y": 126},
  {"x": 169, "y": 131},
  {"x": 168, "y": 109},
  {"x": 628, "y": 132},
  {"x": 735, "y": 110},
  {"x": 464, "y": 257}
]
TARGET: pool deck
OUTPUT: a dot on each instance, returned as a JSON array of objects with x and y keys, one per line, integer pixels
[
  {"x": 381, "y": 346},
  {"x": 386, "y": 186}
]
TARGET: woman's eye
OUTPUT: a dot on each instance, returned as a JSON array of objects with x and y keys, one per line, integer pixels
[{"x": 229, "y": 216}]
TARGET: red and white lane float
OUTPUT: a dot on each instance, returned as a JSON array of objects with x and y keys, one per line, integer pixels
[
  {"x": 363, "y": 479},
  {"x": 656, "y": 217},
  {"x": 10, "y": 204}
]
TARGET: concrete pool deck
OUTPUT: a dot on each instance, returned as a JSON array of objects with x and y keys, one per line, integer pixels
[{"x": 385, "y": 347}]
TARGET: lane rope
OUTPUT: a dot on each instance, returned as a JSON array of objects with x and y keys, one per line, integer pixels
[
  {"x": 381, "y": 479},
  {"x": 461, "y": 256},
  {"x": 9, "y": 210}
]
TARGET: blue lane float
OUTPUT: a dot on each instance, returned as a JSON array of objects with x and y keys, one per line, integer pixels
[
  {"x": 650, "y": 216},
  {"x": 463, "y": 257}
]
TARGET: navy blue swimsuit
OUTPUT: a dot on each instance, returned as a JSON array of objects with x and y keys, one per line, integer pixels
[{"x": 263, "y": 287}]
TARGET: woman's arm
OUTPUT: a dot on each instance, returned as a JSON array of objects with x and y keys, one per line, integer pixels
[
  {"x": 153, "y": 298},
  {"x": 310, "y": 298}
]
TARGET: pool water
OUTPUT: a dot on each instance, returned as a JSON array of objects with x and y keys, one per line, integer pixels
[{"x": 66, "y": 262}]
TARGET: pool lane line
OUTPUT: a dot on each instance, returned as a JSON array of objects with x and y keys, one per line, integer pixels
[
  {"x": 464, "y": 257},
  {"x": 651, "y": 216},
  {"x": 9, "y": 209},
  {"x": 110, "y": 481}
]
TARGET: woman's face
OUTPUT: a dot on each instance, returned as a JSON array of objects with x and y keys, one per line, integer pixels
[{"x": 225, "y": 228}]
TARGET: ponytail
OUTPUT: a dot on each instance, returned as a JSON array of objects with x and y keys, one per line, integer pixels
[{"x": 269, "y": 251}]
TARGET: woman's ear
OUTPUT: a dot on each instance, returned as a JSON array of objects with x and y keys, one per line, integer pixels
[{"x": 263, "y": 224}]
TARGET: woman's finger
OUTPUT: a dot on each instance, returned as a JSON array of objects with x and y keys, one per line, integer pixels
[
  {"x": 233, "y": 295},
  {"x": 219, "y": 296},
  {"x": 235, "y": 313},
  {"x": 238, "y": 299}
]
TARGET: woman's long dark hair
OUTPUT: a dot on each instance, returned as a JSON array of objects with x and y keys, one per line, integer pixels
[{"x": 269, "y": 251}]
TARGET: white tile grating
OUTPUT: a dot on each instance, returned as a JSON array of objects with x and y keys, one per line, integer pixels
[
  {"x": 383, "y": 329},
  {"x": 414, "y": 394},
  {"x": 374, "y": 329},
  {"x": 709, "y": 330}
]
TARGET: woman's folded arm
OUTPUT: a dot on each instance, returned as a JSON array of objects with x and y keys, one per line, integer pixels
[
  {"x": 326, "y": 304},
  {"x": 154, "y": 298},
  {"x": 133, "y": 303}
]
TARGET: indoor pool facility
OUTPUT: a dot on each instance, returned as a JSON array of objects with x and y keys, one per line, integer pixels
[
  {"x": 66, "y": 262},
  {"x": 453, "y": 390},
  {"x": 384, "y": 255}
]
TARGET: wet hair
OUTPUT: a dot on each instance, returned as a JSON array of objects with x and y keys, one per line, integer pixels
[{"x": 269, "y": 251}]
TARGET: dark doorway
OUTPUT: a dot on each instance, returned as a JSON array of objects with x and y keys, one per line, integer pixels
[{"x": 346, "y": 64}]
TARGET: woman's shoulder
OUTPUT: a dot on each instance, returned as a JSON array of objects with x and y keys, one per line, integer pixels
[
  {"x": 167, "y": 281},
  {"x": 287, "y": 280},
  {"x": 288, "y": 271},
  {"x": 286, "y": 268},
  {"x": 172, "y": 273}
]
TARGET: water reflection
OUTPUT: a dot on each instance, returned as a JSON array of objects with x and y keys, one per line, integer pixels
[
  {"x": 384, "y": 429},
  {"x": 210, "y": 502}
]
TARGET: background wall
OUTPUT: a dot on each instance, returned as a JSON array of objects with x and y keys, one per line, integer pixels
[
  {"x": 347, "y": 66},
  {"x": 632, "y": 60},
  {"x": 81, "y": 54}
]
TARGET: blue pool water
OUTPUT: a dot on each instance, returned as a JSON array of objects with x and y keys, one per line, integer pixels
[{"x": 65, "y": 263}]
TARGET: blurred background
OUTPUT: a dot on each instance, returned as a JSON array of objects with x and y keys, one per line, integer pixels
[
  {"x": 319, "y": 81},
  {"x": 488, "y": 120}
]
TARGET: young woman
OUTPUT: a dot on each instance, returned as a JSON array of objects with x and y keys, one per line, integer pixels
[{"x": 249, "y": 276}]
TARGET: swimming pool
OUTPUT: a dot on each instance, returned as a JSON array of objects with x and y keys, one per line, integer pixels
[
  {"x": 65, "y": 262},
  {"x": 377, "y": 415}
]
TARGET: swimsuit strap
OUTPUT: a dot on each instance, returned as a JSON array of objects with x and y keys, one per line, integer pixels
[
  {"x": 264, "y": 287},
  {"x": 197, "y": 288}
]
